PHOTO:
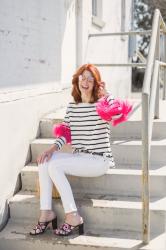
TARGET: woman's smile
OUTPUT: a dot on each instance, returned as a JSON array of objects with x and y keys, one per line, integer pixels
[
  {"x": 84, "y": 87},
  {"x": 86, "y": 82}
]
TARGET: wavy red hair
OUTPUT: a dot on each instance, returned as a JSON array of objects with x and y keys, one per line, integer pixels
[{"x": 97, "y": 80}]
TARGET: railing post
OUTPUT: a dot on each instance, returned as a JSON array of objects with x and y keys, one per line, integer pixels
[
  {"x": 157, "y": 57},
  {"x": 145, "y": 169},
  {"x": 164, "y": 69},
  {"x": 154, "y": 84}
]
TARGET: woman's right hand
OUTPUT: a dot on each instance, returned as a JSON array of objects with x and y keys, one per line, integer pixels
[{"x": 46, "y": 155}]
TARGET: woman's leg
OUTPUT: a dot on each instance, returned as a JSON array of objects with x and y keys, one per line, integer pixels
[
  {"x": 46, "y": 186},
  {"x": 46, "y": 212},
  {"x": 73, "y": 164}
]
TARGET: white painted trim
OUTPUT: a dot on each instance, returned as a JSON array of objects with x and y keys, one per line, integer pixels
[
  {"x": 14, "y": 94},
  {"x": 98, "y": 22}
]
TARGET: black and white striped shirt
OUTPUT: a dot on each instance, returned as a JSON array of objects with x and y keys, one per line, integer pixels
[{"x": 88, "y": 130}]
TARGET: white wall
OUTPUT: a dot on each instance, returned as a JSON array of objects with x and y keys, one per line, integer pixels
[
  {"x": 37, "y": 42},
  {"x": 68, "y": 45},
  {"x": 41, "y": 44},
  {"x": 107, "y": 49},
  {"x": 37, "y": 60},
  {"x": 19, "y": 126}
]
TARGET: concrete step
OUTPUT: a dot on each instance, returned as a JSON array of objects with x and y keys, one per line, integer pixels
[
  {"x": 16, "y": 237},
  {"x": 104, "y": 214},
  {"x": 124, "y": 151},
  {"x": 17, "y": 234},
  {"x": 124, "y": 182},
  {"x": 130, "y": 129},
  {"x": 130, "y": 151}
]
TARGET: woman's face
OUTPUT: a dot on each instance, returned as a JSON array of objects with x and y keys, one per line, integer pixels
[{"x": 86, "y": 83}]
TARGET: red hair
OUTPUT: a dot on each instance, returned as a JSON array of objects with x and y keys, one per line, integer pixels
[{"x": 97, "y": 80}]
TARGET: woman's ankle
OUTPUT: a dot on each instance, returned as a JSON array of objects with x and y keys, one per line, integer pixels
[
  {"x": 73, "y": 218},
  {"x": 46, "y": 215}
]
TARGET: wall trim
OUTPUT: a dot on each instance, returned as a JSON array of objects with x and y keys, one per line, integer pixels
[
  {"x": 11, "y": 94},
  {"x": 98, "y": 22}
]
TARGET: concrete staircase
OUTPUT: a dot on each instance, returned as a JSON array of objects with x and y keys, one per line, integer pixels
[{"x": 111, "y": 205}]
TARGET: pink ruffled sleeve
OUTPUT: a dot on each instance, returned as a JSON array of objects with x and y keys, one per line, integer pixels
[
  {"x": 113, "y": 110},
  {"x": 62, "y": 131}
]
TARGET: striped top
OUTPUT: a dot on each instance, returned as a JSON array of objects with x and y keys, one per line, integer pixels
[{"x": 88, "y": 130}]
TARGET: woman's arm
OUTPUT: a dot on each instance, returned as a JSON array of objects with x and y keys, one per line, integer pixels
[
  {"x": 62, "y": 131},
  {"x": 113, "y": 110}
]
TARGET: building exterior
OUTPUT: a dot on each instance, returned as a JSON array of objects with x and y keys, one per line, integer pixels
[{"x": 41, "y": 45}]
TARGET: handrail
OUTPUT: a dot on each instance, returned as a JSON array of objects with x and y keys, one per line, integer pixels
[
  {"x": 143, "y": 60},
  {"x": 124, "y": 33},
  {"x": 143, "y": 65},
  {"x": 162, "y": 24},
  {"x": 150, "y": 110},
  {"x": 150, "y": 104},
  {"x": 151, "y": 54},
  {"x": 141, "y": 57}
]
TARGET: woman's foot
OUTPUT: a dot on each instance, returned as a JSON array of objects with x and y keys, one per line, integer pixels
[
  {"x": 66, "y": 229},
  {"x": 73, "y": 222},
  {"x": 73, "y": 218},
  {"x": 47, "y": 217}
]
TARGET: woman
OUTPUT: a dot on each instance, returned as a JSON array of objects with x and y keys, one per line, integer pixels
[{"x": 91, "y": 156}]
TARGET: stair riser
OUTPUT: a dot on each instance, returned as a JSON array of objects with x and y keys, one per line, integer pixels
[
  {"x": 30, "y": 244},
  {"x": 132, "y": 154},
  {"x": 129, "y": 129},
  {"x": 101, "y": 217},
  {"x": 115, "y": 185},
  {"x": 123, "y": 154}
]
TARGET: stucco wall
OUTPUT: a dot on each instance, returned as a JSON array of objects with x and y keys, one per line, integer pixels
[
  {"x": 37, "y": 43},
  {"x": 109, "y": 49},
  {"x": 19, "y": 126},
  {"x": 37, "y": 59},
  {"x": 41, "y": 44}
]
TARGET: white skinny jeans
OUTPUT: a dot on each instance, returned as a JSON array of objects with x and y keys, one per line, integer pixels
[{"x": 55, "y": 170}]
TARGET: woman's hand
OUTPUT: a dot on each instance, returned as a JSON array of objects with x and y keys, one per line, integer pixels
[
  {"x": 115, "y": 117},
  {"x": 102, "y": 90},
  {"x": 46, "y": 155}
]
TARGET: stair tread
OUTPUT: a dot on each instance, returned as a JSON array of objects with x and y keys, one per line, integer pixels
[
  {"x": 33, "y": 167},
  {"x": 114, "y": 239},
  {"x": 137, "y": 142},
  {"x": 114, "y": 142},
  {"x": 100, "y": 201},
  {"x": 103, "y": 239}
]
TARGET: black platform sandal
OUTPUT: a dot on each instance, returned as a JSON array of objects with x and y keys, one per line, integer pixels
[
  {"x": 41, "y": 227},
  {"x": 66, "y": 229}
]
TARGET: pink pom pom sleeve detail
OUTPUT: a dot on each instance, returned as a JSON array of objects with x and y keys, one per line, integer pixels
[
  {"x": 108, "y": 108},
  {"x": 126, "y": 109},
  {"x": 62, "y": 131}
]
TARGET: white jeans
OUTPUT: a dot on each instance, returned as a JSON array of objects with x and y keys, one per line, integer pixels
[{"x": 55, "y": 170}]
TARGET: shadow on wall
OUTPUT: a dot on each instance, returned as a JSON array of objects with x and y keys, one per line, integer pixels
[
  {"x": 137, "y": 79},
  {"x": 31, "y": 46},
  {"x": 30, "y": 55}
]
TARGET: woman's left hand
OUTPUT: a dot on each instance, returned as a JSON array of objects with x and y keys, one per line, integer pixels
[{"x": 115, "y": 117}]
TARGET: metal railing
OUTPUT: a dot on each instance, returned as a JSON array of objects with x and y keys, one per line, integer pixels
[
  {"x": 150, "y": 103},
  {"x": 150, "y": 110}
]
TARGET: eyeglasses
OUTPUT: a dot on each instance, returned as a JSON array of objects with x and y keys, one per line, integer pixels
[{"x": 83, "y": 78}]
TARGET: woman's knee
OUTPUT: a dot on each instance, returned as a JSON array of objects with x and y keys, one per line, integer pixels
[
  {"x": 42, "y": 166},
  {"x": 53, "y": 167}
]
